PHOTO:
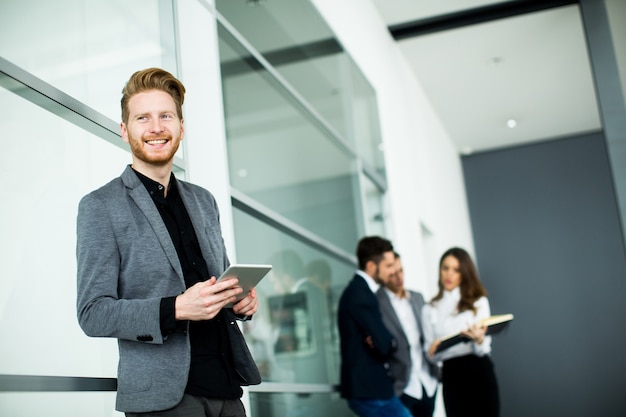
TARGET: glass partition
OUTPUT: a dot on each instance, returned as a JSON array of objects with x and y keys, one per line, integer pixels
[
  {"x": 79, "y": 46},
  {"x": 616, "y": 12},
  {"x": 364, "y": 111},
  {"x": 66, "y": 404},
  {"x": 284, "y": 159},
  {"x": 293, "y": 337},
  {"x": 308, "y": 177},
  {"x": 298, "y": 405},
  {"x": 293, "y": 38},
  {"x": 49, "y": 165},
  {"x": 297, "y": 42},
  {"x": 374, "y": 209}
]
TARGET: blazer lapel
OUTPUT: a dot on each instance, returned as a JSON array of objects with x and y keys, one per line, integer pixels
[
  {"x": 390, "y": 312},
  {"x": 140, "y": 196},
  {"x": 197, "y": 220},
  {"x": 416, "y": 305}
]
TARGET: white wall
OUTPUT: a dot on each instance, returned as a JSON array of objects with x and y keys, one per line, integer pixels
[{"x": 426, "y": 186}]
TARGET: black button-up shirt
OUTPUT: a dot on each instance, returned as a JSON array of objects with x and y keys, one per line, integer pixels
[{"x": 212, "y": 371}]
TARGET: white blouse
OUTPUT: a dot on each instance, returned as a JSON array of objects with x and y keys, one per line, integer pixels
[{"x": 442, "y": 319}]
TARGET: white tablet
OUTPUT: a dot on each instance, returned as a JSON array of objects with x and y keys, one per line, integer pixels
[{"x": 249, "y": 276}]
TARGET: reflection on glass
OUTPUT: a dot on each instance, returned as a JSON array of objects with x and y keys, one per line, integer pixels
[
  {"x": 293, "y": 336},
  {"x": 58, "y": 404},
  {"x": 84, "y": 48},
  {"x": 44, "y": 175},
  {"x": 284, "y": 161},
  {"x": 365, "y": 121},
  {"x": 290, "y": 315},
  {"x": 374, "y": 208},
  {"x": 299, "y": 45},
  {"x": 616, "y": 13},
  {"x": 295, "y": 405},
  {"x": 296, "y": 41}
]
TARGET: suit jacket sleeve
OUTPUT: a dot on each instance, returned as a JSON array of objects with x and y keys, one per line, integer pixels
[
  {"x": 365, "y": 313},
  {"x": 123, "y": 270}
]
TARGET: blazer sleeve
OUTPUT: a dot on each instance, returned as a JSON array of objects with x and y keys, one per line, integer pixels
[
  {"x": 100, "y": 309},
  {"x": 368, "y": 318}
]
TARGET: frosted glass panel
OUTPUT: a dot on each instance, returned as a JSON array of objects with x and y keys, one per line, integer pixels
[
  {"x": 294, "y": 405},
  {"x": 88, "y": 48},
  {"x": 616, "y": 12},
  {"x": 48, "y": 165},
  {"x": 284, "y": 160},
  {"x": 296, "y": 41},
  {"x": 59, "y": 404},
  {"x": 293, "y": 337}
]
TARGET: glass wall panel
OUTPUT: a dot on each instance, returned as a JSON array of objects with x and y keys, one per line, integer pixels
[
  {"x": 374, "y": 208},
  {"x": 79, "y": 46},
  {"x": 295, "y": 405},
  {"x": 616, "y": 12},
  {"x": 295, "y": 40},
  {"x": 364, "y": 111},
  {"x": 62, "y": 404},
  {"x": 304, "y": 146},
  {"x": 45, "y": 173},
  {"x": 46, "y": 166},
  {"x": 293, "y": 337},
  {"x": 282, "y": 158}
]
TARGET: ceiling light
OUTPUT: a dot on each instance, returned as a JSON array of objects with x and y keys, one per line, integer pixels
[{"x": 511, "y": 123}]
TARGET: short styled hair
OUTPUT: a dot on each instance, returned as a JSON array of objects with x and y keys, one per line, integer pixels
[
  {"x": 153, "y": 79},
  {"x": 372, "y": 248}
]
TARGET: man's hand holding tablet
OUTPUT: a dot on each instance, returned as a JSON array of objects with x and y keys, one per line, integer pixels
[{"x": 248, "y": 275}]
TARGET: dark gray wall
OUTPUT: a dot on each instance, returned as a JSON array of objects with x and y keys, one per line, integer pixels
[{"x": 549, "y": 249}]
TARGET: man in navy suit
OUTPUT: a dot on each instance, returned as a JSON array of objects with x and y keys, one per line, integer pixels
[{"x": 366, "y": 344}]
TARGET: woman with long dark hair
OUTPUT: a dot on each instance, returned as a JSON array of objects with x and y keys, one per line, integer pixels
[{"x": 468, "y": 378}]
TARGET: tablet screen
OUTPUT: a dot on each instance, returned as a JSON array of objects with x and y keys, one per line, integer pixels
[{"x": 249, "y": 276}]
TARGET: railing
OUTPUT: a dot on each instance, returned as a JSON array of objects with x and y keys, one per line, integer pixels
[{"x": 42, "y": 383}]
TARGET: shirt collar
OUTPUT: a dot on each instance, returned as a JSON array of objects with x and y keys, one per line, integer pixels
[
  {"x": 395, "y": 296},
  {"x": 156, "y": 189},
  {"x": 455, "y": 293},
  {"x": 369, "y": 280}
]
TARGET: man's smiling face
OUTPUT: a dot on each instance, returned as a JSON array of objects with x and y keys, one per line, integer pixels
[{"x": 154, "y": 129}]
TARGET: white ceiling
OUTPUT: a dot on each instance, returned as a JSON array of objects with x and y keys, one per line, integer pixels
[{"x": 533, "y": 68}]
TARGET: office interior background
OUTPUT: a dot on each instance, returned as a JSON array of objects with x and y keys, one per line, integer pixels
[{"x": 315, "y": 122}]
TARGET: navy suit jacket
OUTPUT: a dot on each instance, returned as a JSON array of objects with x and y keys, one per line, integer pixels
[{"x": 364, "y": 370}]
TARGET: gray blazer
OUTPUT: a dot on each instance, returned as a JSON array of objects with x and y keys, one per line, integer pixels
[
  {"x": 400, "y": 363},
  {"x": 126, "y": 263}
]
